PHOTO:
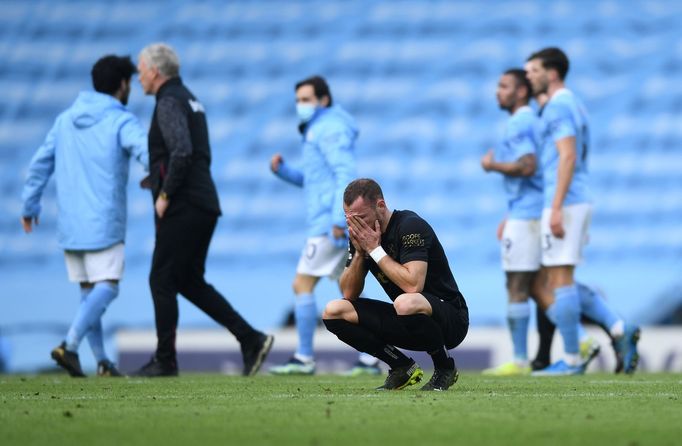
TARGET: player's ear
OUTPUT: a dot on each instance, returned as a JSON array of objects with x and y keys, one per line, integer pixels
[
  {"x": 154, "y": 71},
  {"x": 553, "y": 74},
  {"x": 324, "y": 101}
]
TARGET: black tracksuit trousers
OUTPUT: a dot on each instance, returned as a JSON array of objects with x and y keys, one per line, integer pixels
[{"x": 183, "y": 237}]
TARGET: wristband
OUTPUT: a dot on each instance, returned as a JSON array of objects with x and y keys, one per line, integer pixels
[{"x": 377, "y": 254}]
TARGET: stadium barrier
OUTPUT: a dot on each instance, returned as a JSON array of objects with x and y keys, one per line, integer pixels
[{"x": 218, "y": 351}]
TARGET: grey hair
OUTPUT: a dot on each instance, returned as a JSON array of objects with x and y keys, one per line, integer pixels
[{"x": 163, "y": 57}]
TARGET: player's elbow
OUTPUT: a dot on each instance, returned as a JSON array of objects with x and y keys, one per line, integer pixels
[
  {"x": 527, "y": 165},
  {"x": 567, "y": 155},
  {"x": 350, "y": 294},
  {"x": 528, "y": 170},
  {"x": 348, "y": 291},
  {"x": 411, "y": 289}
]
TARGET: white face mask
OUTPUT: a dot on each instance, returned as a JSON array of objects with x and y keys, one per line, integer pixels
[{"x": 305, "y": 112}]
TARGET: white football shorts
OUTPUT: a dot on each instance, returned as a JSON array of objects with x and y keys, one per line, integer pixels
[
  {"x": 567, "y": 250},
  {"x": 321, "y": 258},
  {"x": 95, "y": 266},
  {"x": 520, "y": 245}
]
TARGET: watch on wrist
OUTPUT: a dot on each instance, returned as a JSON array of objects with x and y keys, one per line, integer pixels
[{"x": 163, "y": 195}]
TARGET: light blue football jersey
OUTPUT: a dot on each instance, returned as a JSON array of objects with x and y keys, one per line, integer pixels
[
  {"x": 521, "y": 137},
  {"x": 565, "y": 115}
]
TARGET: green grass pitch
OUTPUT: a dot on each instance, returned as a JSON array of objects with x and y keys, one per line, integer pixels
[{"x": 197, "y": 410}]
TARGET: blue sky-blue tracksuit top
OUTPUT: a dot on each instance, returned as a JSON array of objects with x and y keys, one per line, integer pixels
[
  {"x": 88, "y": 149},
  {"x": 328, "y": 165}
]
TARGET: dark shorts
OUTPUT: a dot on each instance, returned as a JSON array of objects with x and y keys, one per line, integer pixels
[{"x": 381, "y": 319}]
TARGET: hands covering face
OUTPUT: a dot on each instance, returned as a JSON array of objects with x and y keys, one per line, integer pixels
[{"x": 363, "y": 236}]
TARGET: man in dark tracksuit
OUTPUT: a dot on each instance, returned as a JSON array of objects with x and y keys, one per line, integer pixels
[{"x": 186, "y": 212}]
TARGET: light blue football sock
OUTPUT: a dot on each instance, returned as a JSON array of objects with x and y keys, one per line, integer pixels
[
  {"x": 582, "y": 333},
  {"x": 89, "y": 312},
  {"x": 565, "y": 313},
  {"x": 518, "y": 315},
  {"x": 96, "y": 340},
  {"x": 596, "y": 308},
  {"x": 94, "y": 336},
  {"x": 305, "y": 311}
]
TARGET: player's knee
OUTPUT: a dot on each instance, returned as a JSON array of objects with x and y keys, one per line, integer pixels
[
  {"x": 160, "y": 284},
  {"x": 301, "y": 286},
  {"x": 335, "y": 309},
  {"x": 541, "y": 295},
  {"x": 405, "y": 305},
  {"x": 517, "y": 296},
  {"x": 515, "y": 289},
  {"x": 538, "y": 289},
  {"x": 518, "y": 286},
  {"x": 560, "y": 276},
  {"x": 187, "y": 290}
]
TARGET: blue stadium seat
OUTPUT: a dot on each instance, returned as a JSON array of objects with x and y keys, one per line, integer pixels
[{"x": 420, "y": 78}]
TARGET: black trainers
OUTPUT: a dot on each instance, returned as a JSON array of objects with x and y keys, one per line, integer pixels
[
  {"x": 254, "y": 353},
  {"x": 442, "y": 379},
  {"x": 401, "y": 377},
  {"x": 539, "y": 364},
  {"x": 67, "y": 360},
  {"x": 107, "y": 368},
  {"x": 155, "y": 368}
]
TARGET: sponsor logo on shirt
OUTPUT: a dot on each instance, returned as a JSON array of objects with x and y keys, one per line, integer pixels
[{"x": 412, "y": 240}]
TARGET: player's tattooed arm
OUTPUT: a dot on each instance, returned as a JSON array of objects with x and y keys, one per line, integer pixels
[
  {"x": 527, "y": 165},
  {"x": 522, "y": 167}
]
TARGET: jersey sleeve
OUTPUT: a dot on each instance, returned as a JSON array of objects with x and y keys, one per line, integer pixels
[
  {"x": 560, "y": 123},
  {"x": 39, "y": 172},
  {"x": 414, "y": 240},
  {"x": 133, "y": 138},
  {"x": 290, "y": 174}
]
